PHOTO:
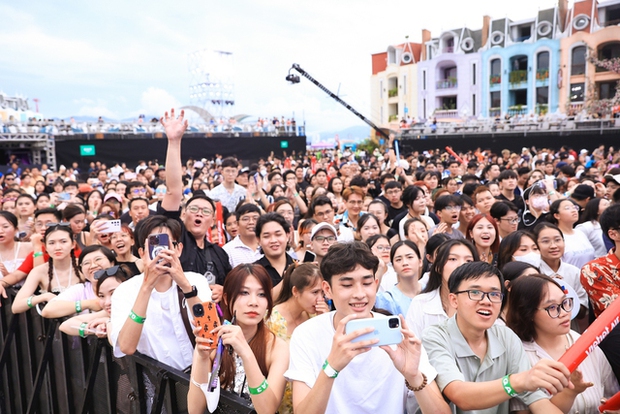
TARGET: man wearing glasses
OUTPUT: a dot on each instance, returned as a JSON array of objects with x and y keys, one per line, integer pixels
[
  {"x": 448, "y": 209},
  {"x": 9, "y": 180},
  {"x": 198, "y": 254},
  {"x": 481, "y": 366},
  {"x": 322, "y": 237},
  {"x": 229, "y": 193}
]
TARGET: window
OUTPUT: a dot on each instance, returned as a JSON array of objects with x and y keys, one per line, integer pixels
[
  {"x": 544, "y": 28},
  {"x": 473, "y": 74},
  {"x": 496, "y": 72},
  {"x": 607, "y": 90},
  {"x": 473, "y": 104},
  {"x": 542, "y": 95},
  {"x": 424, "y": 108},
  {"x": 381, "y": 89},
  {"x": 497, "y": 37},
  {"x": 423, "y": 80},
  {"x": 404, "y": 84},
  {"x": 496, "y": 99},
  {"x": 543, "y": 60},
  {"x": 606, "y": 52},
  {"x": 578, "y": 61},
  {"x": 577, "y": 91},
  {"x": 581, "y": 22}
]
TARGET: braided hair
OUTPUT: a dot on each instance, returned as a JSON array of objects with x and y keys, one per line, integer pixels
[{"x": 50, "y": 262}]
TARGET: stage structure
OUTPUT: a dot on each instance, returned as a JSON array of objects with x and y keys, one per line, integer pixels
[{"x": 211, "y": 88}]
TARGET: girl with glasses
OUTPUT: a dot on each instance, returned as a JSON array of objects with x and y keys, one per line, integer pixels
[
  {"x": 83, "y": 296},
  {"x": 578, "y": 250},
  {"x": 97, "y": 323},
  {"x": 55, "y": 276},
  {"x": 540, "y": 314}
]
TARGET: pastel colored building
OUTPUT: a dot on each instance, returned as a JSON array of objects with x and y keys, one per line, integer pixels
[
  {"x": 393, "y": 83},
  {"x": 591, "y": 27},
  {"x": 520, "y": 65},
  {"x": 449, "y": 74}
]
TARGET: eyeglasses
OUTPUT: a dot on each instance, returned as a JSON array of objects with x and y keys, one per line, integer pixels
[
  {"x": 547, "y": 242},
  {"x": 554, "y": 310},
  {"x": 383, "y": 248},
  {"x": 571, "y": 207},
  {"x": 55, "y": 225},
  {"x": 195, "y": 209},
  {"x": 478, "y": 295},
  {"x": 139, "y": 191},
  {"x": 322, "y": 239},
  {"x": 514, "y": 220},
  {"x": 247, "y": 219},
  {"x": 110, "y": 272},
  {"x": 452, "y": 208}
]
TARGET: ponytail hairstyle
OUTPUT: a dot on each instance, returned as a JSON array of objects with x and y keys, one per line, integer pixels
[
  {"x": 50, "y": 261},
  {"x": 299, "y": 276},
  {"x": 232, "y": 289}
]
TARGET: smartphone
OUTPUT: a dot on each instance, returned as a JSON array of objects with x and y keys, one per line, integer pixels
[
  {"x": 112, "y": 226},
  {"x": 309, "y": 257},
  {"x": 387, "y": 330},
  {"x": 157, "y": 243},
  {"x": 205, "y": 316},
  {"x": 64, "y": 196}
]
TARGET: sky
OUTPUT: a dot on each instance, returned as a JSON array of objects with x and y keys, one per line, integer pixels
[{"x": 119, "y": 59}]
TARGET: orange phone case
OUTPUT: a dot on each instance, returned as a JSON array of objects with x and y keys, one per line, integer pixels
[{"x": 206, "y": 317}]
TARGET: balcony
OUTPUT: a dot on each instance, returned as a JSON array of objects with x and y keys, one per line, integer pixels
[
  {"x": 578, "y": 69},
  {"x": 517, "y": 110},
  {"x": 542, "y": 74},
  {"x": 495, "y": 79},
  {"x": 542, "y": 109},
  {"x": 614, "y": 22},
  {"x": 446, "y": 113},
  {"x": 495, "y": 112},
  {"x": 517, "y": 76},
  {"x": 393, "y": 118},
  {"x": 575, "y": 107},
  {"x": 446, "y": 83},
  {"x": 448, "y": 49},
  {"x": 392, "y": 92}
]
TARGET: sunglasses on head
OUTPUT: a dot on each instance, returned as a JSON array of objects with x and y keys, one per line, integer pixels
[
  {"x": 54, "y": 225},
  {"x": 111, "y": 271}
]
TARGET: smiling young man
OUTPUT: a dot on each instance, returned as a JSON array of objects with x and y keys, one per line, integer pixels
[
  {"x": 333, "y": 374},
  {"x": 245, "y": 248},
  {"x": 481, "y": 366},
  {"x": 322, "y": 237}
]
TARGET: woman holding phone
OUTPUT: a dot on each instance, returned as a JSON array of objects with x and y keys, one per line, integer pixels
[{"x": 255, "y": 368}]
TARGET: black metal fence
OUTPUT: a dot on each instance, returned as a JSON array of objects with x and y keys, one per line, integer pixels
[{"x": 45, "y": 371}]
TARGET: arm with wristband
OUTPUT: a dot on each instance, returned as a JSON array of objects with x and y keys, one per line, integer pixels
[{"x": 25, "y": 298}]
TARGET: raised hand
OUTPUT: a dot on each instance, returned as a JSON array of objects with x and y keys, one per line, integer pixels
[{"x": 175, "y": 127}]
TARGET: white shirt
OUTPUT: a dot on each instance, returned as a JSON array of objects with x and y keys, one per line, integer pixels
[
  {"x": 570, "y": 274},
  {"x": 164, "y": 336},
  {"x": 425, "y": 310},
  {"x": 239, "y": 253},
  {"x": 594, "y": 233},
  {"x": 369, "y": 384},
  {"x": 577, "y": 249}
]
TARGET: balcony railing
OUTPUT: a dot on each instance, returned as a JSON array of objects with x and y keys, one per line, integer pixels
[
  {"x": 575, "y": 107},
  {"x": 612, "y": 22},
  {"x": 446, "y": 83},
  {"x": 542, "y": 109},
  {"x": 517, "y": 76},
  {"x": 578, "y": 69},
  {"x": 495, "y": 79},
  {"x": 542, "y": 74},
  {"x": 517, "y": 110},
  {"x": 393, "y": 92},
  {"x": 446, "y": 113},
  {"x": 494, "y": 112}
]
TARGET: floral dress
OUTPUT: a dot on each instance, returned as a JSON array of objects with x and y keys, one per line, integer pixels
[{"x": 277, "y": 324}]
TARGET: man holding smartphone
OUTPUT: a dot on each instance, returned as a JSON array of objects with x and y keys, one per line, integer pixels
[{"x": 341, "y": 375}]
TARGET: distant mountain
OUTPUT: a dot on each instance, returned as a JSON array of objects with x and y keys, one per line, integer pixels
[
  {"x": 354, "y": 133},
  {"x": 88, "y": 119}
]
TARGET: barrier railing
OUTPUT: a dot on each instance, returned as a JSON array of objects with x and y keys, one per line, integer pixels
[{"x": 45, "y": 371}]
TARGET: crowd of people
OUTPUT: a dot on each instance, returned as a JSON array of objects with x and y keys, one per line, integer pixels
[{"x": 493, "y": 264}]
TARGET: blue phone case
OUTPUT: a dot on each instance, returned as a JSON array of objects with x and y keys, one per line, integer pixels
[{"x": 383, "y": 332}]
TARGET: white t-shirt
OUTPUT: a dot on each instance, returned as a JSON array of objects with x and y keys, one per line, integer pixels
[
  {"x": 425, "y": 310},
  {"x": 164, "y": 336},
  {"x": 569, "y": 273},
  {"x": 369, "y": 384},
  {"x": 594, "y": 233},
  {"x": 577, "y": 249}
]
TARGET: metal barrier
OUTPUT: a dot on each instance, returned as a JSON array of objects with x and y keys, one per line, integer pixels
[{"x": 45, "y": 371}]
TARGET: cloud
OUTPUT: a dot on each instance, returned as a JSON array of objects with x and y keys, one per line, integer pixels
[{"x": 156, "y": 101}]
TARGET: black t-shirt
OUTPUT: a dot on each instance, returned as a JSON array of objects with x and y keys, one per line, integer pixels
[
  {"x": 273, "y": 273},
  {"x": 194, "y": 259},
  {"x": 517, "y": 201},
  {"x": 395, "y": 212}
]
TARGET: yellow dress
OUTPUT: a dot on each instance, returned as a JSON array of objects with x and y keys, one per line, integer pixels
[{"x": 277, "y": 324}]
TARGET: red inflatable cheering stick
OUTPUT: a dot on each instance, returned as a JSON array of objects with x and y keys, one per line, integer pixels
[
  {"x": 592, "y": 337},
  {"x": 611, "y": 404}
]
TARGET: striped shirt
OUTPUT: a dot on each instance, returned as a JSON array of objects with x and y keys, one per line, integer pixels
[{"x": 239, "y": 253}]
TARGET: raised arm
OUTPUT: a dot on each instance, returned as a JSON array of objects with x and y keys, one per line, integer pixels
[{"x": 175, "y": 127}]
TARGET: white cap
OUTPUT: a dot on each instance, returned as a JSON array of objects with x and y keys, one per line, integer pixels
[{"x": 322, "y": 226}]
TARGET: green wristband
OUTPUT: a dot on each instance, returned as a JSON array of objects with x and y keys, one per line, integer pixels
[
  {"x": 137, "y": 319},
  {"x": 83, "y": 326},
  {"x": 260, "y": 389},
  {"x": 507, "y": 387},
  {"x": 29, "y": 302},
  {"x": 78, "y": 306},
  {"x": 37, "y": 254}
]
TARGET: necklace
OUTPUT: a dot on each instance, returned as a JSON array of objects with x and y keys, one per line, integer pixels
[{"x": 60, "y": 288}]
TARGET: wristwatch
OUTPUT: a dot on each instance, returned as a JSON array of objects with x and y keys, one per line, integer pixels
[{"x": 191, "y": 294}]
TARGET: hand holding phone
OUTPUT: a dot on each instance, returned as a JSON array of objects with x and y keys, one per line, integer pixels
[
  {"x": 110, "y": 226},
  {"x": 157, "y": 243},
  {"x": 385, "y": 330},
  {"x": 205, "y": 317}
]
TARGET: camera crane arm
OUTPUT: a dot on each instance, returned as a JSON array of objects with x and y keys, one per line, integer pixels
[{"x": 295, "y": 79}]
